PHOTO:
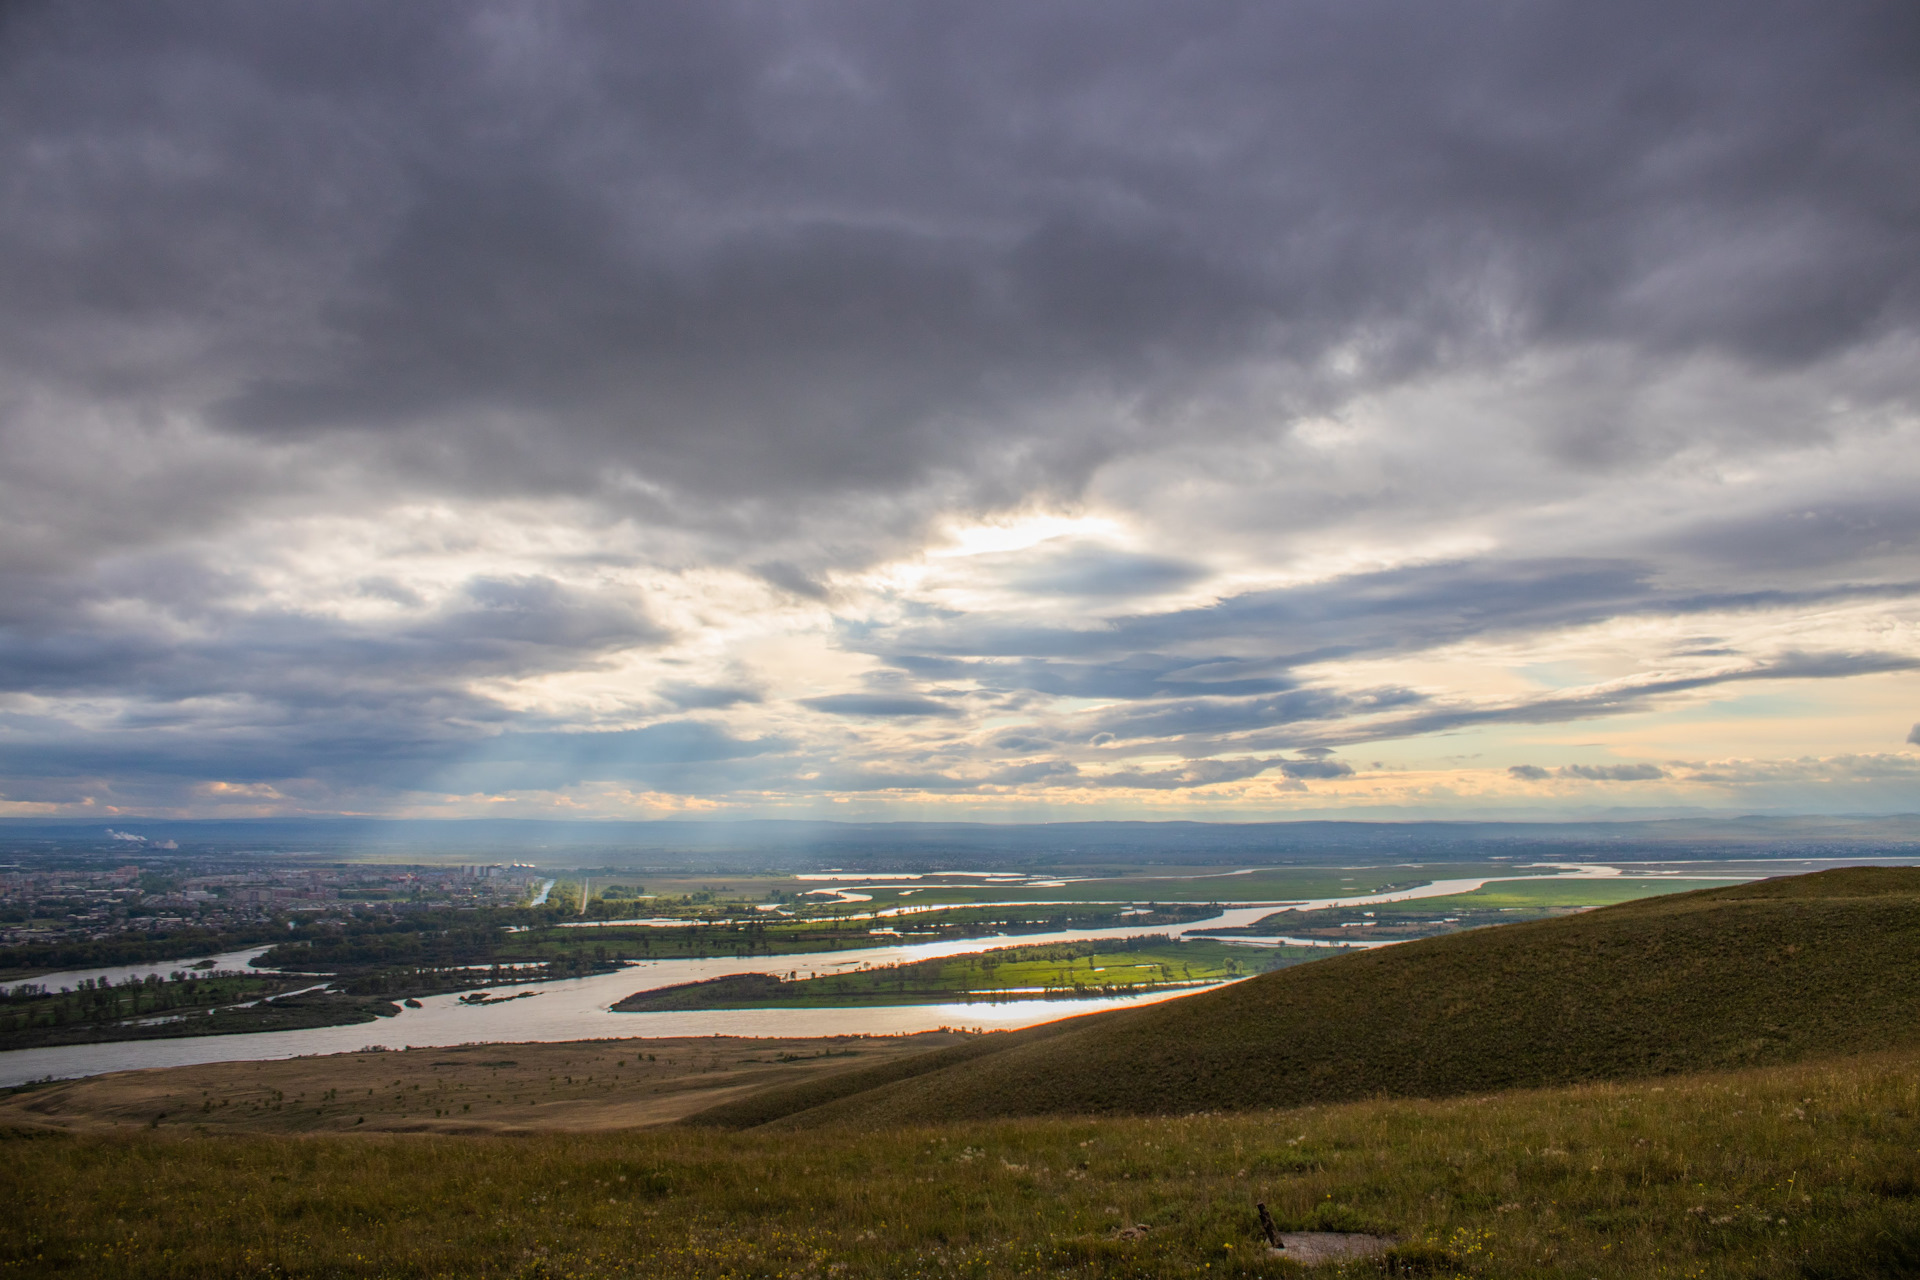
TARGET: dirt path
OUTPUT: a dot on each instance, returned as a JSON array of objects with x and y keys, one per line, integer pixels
[{"x": 490, "y": 1088}]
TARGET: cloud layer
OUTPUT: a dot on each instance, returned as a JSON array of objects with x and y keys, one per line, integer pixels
[{"x": 591, "y": 408}]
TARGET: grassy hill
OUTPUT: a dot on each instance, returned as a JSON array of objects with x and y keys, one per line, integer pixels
[
  {"x": 1751, "y": 975},
  {"x": 1804, "y": 1172}
]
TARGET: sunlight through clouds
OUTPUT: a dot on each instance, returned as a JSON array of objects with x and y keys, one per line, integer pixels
[{"x": 634, "y": 412}]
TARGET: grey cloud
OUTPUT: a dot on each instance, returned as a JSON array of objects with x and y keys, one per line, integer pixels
[
  {"x": 1160, "y": 657},
  {"x": 1129, "y": 676},
  {"x": 1319, "y": 768},
  {"x": 385, "y": 588},
  {"x": 879, "y": 705},
  {"x": 1194, "y": 773},
  {"x": 1813, "y": 770},
  {"x": 533, "y": 614},
  {"x": 676, "y": 756},
  {"x": 1617, "y": 700},
  {"x": 209, "y": 684},
  {"x": 788, "y": 289},
  {"x": 1099, "y": 571},
  {"x": 1913, "y": 735},
  {"x": 490, "y": 626},
  {"x": 377, "y": 752},
  {"x": 1180, "y": 719},
  {"x": 885, "y": 779},
  {"x": 1589, "y": 772},
  {"x": 1205, "y": 773},
  {"x": 860, "y": 245},
  {"x": 1037, "y": 771},
  {"x": 1614, "y": 772},
  {"x": 789, "y": 577},
  {"x": 1249, "y": 700},
  {"x": 1855, "y": 530},
  {"x": 1317, "y": 717},
  {"x": 693, "y": 697},
  {"x": 1398, "y": 610}
]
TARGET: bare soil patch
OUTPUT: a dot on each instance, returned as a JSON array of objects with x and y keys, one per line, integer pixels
[
  {"x": 1311, "y": 1248},
  {"x": 489, "y": 1088}
]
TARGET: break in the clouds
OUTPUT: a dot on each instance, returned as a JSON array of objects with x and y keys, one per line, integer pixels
[{"x": 1011, "y": 410}]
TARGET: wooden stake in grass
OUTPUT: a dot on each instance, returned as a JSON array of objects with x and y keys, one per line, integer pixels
[{"x": 1266, "y": 1225}]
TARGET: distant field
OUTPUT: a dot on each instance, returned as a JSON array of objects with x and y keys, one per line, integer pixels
[
  {"x": 1053, "y": 971},
  {"x": 1198, "y": 885},
  {"x": 1558, "y": 892}
]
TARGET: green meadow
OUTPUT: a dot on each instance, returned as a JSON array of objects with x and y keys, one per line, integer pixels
[
  {"x": 1540, "y": 894},
  {"x": 1804, "y": 1172},
  {"x": 1123, "y": 966}
]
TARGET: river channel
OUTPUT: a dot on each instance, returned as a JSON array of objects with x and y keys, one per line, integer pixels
[{"x": 578, "y": 1008}]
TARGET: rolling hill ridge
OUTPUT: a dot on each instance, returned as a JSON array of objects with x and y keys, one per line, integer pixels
[{"x": 1771, "y": 972}]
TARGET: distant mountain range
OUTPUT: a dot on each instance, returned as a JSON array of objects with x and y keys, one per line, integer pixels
[{"x": 906, "y": 846}]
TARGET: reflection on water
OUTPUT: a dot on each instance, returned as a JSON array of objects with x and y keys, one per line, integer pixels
[{"x": 116, "y": 974}]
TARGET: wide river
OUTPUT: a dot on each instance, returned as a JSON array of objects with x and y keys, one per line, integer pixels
[{"x": 578, "y": 1008}]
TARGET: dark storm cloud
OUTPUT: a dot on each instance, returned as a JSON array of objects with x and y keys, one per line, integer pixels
[{"x": 850, "y": 245}]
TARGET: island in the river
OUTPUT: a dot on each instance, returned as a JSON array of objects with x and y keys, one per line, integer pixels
[{"x": 1053, "y": 971}]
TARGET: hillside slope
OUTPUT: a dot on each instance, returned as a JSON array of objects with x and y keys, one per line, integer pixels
[{"x": 1763, "y": 973}]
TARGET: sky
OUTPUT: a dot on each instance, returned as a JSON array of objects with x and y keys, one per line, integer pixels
[{"x": 1000, "y": 411}]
